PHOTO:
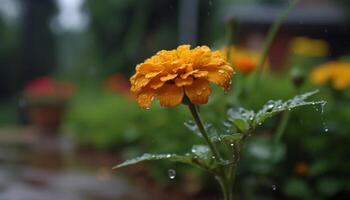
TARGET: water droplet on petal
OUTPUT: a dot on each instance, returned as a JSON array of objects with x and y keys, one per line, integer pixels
[
  {"x": 221, "y": 71},
  {"x": 171, "y": 173}
]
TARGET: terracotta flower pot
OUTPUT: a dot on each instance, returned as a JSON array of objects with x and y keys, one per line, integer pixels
[{"x": 46, "y": 118}]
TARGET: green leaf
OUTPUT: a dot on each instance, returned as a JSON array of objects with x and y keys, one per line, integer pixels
[
  {"x": 296, "y": 187},
  {"x": 148, "y": 157},
  {"x": 229, "y": 139},
  {"x": 328, "y": 186},
  {"x": 241, "y": 118},
  {"x": 273, "y": 107},
  {"x": 192, "y": 126},
  {"x": 200, "y": 156}
]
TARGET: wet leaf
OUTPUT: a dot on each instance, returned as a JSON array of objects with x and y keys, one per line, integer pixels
[
  {"x": 148, "y": 157},
  {"x": 229, "y": 139},
  {"x": 272, "y": 107},
  {"x": 240, "y": 118},
  {"x": 200, "y": 156},
  {"x": 192, "y": 126}
]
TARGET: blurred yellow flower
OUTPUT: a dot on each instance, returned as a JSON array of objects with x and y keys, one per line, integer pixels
[
  {"x": 169, "y": 75},
  {"x": 309, "y": 47},
  {"x": 338, "y": 73},
  {"x": 242, "y": 59}
]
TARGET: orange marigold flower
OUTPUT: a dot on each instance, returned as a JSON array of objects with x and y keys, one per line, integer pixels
[
  {"x": 244, "y": 60},
  {"x": 338, "y": 73},
  {"x": 169, "y": 75}
]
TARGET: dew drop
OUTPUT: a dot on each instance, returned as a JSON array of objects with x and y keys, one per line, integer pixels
[
  {"x": 168, "y": 155},
  {"x": 213, "y": 157},
  {"x": 193, "y": 151},
  {"x": 274, "y": 187},
  {"x": 259, "y": 123},
  {"x": 270, "y": 106},
  {"x": 221, "y": 71},
  {"x": 326, "y": 129},
  {"x": 171, "y": 173},
  {"x": 232, "y": 145}
]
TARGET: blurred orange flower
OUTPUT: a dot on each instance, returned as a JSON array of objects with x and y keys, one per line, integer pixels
[
  {"x": 301, "y": 169},
  {"x": 244, "y": 60},
  {"x": 117, "y": 83},
  {"x": 338, "y": 73},
  {"x": 169, "y": 75}
]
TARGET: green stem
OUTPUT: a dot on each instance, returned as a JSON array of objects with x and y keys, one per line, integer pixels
[
  {"x": 281, "y": 127},
  {"x": 203, "y": 131},
  {"x": 272, "y": 33},
  {"x": 225, "y": 183}
]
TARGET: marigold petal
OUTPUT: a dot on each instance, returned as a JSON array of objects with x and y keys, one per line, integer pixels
[
  {"x": 145, "y": 68},
  {"x": 152, "y": 74},
  {"x": 185, "y": 75},
  {"x": 168, "y": 77},
  {"x": 199, "y": 91},
  {"x": 200, "y": 74},
  {"x": 220, "y": 77},
  {"x": 156, "y": 83},
  {"x": 139, "y": 83},
  {"x": 170, "y": 95},
  {"x": 145, "y": 98},
  {"x": 182, "y": 82}
]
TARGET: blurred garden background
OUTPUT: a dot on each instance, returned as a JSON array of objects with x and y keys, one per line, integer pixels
[{"x": 67, "y": 115}]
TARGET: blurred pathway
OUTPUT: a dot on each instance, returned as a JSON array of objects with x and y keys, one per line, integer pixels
[{"x": 34, "y": 167}]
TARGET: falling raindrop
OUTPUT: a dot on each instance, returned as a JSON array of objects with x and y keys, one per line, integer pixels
[
  {"x": 171, "y": 173},
  {"x": 326, "y": 129},
  {"x": 274, "y": 187}
]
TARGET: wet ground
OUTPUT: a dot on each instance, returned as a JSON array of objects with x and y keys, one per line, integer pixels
[{"x": 39, "y": 167}]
